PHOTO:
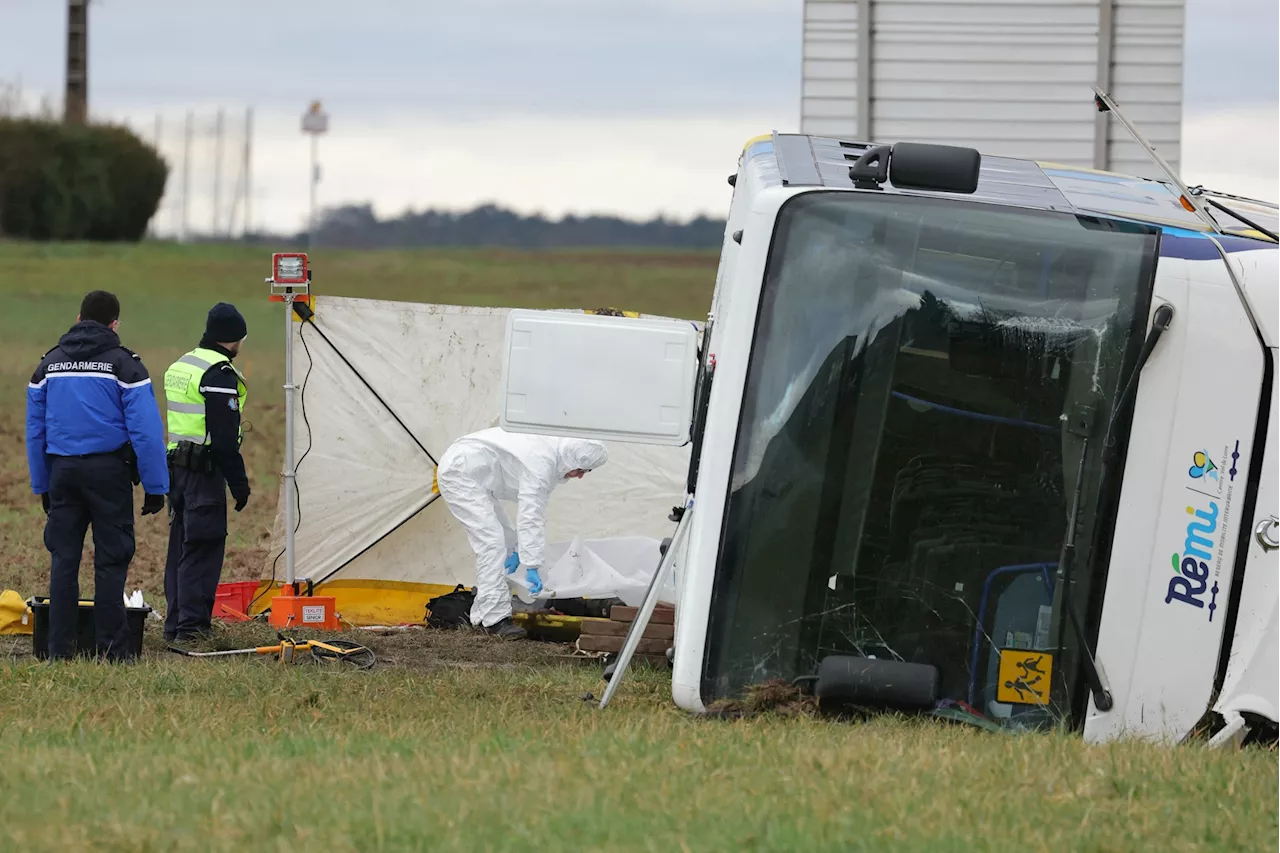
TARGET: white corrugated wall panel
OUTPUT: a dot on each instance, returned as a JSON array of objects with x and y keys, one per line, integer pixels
[
  {"x": 1147, "y": 69},
  {"x": 1017, "y": 75},
  {"x": 829, "y": 85},
  {"x": 1010, "y": 77}
]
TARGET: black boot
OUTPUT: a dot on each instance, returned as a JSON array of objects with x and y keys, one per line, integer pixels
[{"x": 507, "y": 630}]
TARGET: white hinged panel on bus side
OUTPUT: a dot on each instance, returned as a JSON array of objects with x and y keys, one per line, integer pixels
[{"x": 601, "y": 377}]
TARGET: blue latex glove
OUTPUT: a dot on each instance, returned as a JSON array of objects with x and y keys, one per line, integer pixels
[
  {"x": 534, "y": 580},
  {"x": 512, "y": 563}
]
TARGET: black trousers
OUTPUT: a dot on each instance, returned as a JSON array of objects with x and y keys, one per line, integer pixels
[
  {"x": 197, "y": 543},
  {"x": 84, "y": 491}
]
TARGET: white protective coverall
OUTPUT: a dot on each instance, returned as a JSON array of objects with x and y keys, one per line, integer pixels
[{"x": 479, "y": 470}]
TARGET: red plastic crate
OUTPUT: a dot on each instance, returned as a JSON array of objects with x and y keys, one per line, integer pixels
[{"x": 236, "y": 596}]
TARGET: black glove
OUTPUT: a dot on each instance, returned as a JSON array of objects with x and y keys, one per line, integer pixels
[
  {"x": 241, "y": 500},
  {"x": 152, "y": 504},
  {"x": 44, "y": 502}
]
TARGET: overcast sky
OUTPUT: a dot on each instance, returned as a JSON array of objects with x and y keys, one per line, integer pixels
[{"x": 560, "y": 105}]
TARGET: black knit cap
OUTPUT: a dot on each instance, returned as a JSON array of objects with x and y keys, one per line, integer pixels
[{"x": 225, "y": 324}]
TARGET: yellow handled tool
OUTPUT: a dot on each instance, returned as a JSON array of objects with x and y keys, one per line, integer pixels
[{"x": 291, "y": 651}]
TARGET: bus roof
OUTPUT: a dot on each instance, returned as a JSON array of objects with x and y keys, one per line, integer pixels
[{"x": 824, "y": 161}]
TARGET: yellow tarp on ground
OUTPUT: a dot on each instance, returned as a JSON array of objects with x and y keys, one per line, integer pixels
[
  {"x": 368, "y": 602},
  {"x": 361, "y": 603},
  {"x": 15, "y": 616}
]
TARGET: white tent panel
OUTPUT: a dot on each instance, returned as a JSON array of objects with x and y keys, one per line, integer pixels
[{"x": 367, "y": 532}]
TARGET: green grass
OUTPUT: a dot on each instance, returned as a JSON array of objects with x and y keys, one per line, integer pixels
[
  {"x": 245, "y": 754},
  {"x": 460, "y": 742}
]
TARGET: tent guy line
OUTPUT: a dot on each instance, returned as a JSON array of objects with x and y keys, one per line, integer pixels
[
  {"x": 410, "y": 517},
  {"x": 307, "y": 319}
]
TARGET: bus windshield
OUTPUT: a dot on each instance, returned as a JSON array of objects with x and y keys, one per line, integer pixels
[{"x": 929, "y": 378}]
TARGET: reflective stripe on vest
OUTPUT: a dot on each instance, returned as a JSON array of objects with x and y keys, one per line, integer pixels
[
  {"x": 186, "y": 403},
  {"x": 191, "y": 359}
]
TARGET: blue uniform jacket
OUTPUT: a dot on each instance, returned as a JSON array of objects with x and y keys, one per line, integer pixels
[{"x": 91, "y": 395}]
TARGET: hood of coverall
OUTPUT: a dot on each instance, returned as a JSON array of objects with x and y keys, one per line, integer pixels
[{"x": 579, "y": 453}]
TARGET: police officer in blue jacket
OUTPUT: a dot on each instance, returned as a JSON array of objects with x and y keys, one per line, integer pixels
[{"x": 93, "y": 432}]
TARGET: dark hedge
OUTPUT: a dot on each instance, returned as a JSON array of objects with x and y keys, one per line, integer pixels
[{"x": 66, "y": 182}]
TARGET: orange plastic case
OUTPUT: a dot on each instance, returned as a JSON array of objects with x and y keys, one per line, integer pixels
[{"x": 305, "y": 611}]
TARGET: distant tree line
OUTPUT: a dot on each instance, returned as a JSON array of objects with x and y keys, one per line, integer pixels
[
  {"x": 358, "y": 227},
  {"x": 102, "y": 182},
  {"x": 69, "y": 182}
]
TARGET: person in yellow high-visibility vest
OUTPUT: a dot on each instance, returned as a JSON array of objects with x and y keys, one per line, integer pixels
[{"x": 205, "y": 395}]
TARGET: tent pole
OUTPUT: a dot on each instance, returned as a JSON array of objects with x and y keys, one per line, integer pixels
[
  {"x": 290, "y": 486},
  {"x": 645, "y": 612}
]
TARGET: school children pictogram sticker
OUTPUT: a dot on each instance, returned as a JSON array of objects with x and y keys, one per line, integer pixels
[{"x": 1024, "y": 677}]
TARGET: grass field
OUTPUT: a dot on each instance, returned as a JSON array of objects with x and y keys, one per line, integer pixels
[{"x": 460, "y": 742}]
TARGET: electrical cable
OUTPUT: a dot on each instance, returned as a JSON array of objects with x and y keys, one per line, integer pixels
[
  {"x": 302, "y": 396},
  {"x": 361, "y": 657}
]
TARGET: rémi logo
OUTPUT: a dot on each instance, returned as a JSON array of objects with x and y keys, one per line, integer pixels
[
  {"x": 1191, "y": 567},
  {"x": 1198, "y": 568}
]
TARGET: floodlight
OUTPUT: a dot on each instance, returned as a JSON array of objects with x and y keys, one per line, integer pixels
[{"x": 289, "y": 268}]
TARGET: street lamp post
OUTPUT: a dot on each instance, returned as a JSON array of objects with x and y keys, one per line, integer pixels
[{"x": 315, "y": 121}]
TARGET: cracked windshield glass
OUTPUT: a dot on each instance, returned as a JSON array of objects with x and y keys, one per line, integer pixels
[{"x": 928, "y": 380}]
